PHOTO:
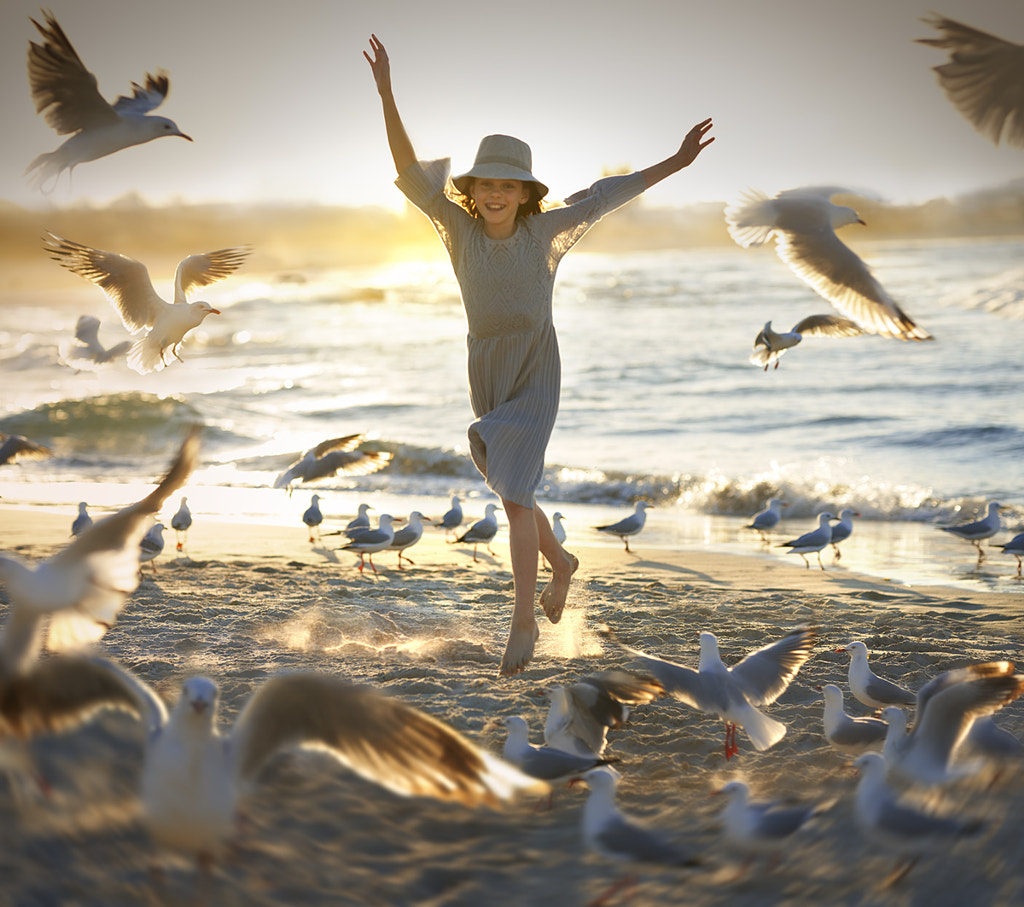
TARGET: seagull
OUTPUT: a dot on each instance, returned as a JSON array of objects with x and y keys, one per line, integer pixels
[
  {"x": 803, "y": 223},
  {"x": 359, "y": 523},
  {"x": 127, "y": 285},
  {"x": 543, "y": 762},
  {"x": 557, "y": 529},
  {"x": 368, "y": 543},
  {"x": 867, "y": 687},
  {"x": 628, "y": 526},
  {"x": 984, "y": 79},
  {"x": 897, "y": 826},
  {"x": 582, "y": 713},
  {"x": 762, "y": 826},
  {"x": 482, "y": 531},
  {"x": 15, "y": 448},
  {"x": 313, "y": 518},
  {"x": 735, "y": 693},
  {"x": 194, "y": 777},
  {"x": 408, "y": 535},
  {"x": 842, "y": 530},
  {"x": 1015, "y": 547},
  {"x": 180, "y": 523},
  {"x": 66, "y": 95},
  {"x": 89, "y": 349},
  {"x": 846, "y": 733},
  {"x": 83, "y": 521},
  {"x": 612, "y": 834},
  {"x": 152, "y": 545},
  {"x": 453, "y": 517},
  {"x": 981, "y": 529},
  {"x": 329, "y": 458},
  {"x": 946, "y": 708},
  {"x": 812, "y": 541},
  {"x": 769, "y": 345},
  {"x": 85, "y": 585},
  {"x": 766, "y": 520}
]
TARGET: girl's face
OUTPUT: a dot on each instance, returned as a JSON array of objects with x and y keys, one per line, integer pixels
[{"x": 498, "y": 201}]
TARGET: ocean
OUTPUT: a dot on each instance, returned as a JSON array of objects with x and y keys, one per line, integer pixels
[{"x": 659, "y": 401}]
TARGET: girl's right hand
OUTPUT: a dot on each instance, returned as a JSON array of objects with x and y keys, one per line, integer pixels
[{"x": 379, "y": 65}]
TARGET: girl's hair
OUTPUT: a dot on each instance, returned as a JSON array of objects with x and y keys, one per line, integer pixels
[{"x": 533, "y": 205}]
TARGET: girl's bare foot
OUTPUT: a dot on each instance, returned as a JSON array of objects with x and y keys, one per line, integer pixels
[
  {"x": 519, "y": 649},
  {"x": 552, "y": 599}
]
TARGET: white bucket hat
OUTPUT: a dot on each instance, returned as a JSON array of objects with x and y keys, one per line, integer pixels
[{"x": 501, "y": 157}]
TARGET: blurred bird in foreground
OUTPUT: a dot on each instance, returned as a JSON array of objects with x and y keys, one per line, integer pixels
[{"x": 15, "y": 448}]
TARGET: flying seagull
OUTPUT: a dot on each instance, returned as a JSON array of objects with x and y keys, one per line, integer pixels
[
  {"x": 89, "y": 352},
  {"x": 14, "y": 448},
  {"x": 333, "y": 457},
  {"x": 66, "y": 95},
  {"x": 803, "y": 223},
  {"x": 127, "y": 285},
  {"x": 769, "y": 345}
]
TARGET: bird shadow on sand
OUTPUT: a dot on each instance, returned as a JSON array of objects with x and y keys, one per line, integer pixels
[
  {"x": 328, "y": 554},
  {"x": 676, "y": 568}
]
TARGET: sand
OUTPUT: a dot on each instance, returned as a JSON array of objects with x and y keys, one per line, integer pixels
[{"x": 245, "y": 602}]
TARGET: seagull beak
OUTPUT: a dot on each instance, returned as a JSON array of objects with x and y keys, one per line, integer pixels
[
  {"x": 187, "y": 138},
  {"x": 215, "y": 311}
]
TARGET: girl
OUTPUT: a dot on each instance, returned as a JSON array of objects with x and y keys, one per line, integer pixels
[{"x": 504, "y": 249}]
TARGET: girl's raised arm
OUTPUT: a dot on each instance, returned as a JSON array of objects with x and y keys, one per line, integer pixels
[
  {"x": 398, "y": 140},
  {"x": 693, "y": 144}
]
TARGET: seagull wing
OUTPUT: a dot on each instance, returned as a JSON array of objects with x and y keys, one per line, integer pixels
[
  {"x": 205, "y": 268},
  {"x": 378, "y": 737},
  {"x": 15, "y": 448},
  {"x": 64, "y": 692},
  {"x": 835, "y": 272},
  {"x": 87, "y": 331},
  {"x": 348, "y": 442},
  {"x": 125, "y": 280},
  {"x": 347, "y": 462},
  {"x": 102, "y": 564},
  {"x": 827, "y": 326},
  {"x": 144, "y": 98},
  {"x": 984, "y": 79},
  {"x": 63, "y": 90},
  {"x": 765, "y": 673}
]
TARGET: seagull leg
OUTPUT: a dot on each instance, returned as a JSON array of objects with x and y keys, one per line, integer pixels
[
  {"x": 900, "y": 872},
  {"x": 820, "y": 564},
  {"x": 374, "y": 569},
  {"x": 981, "y": 554},
  {"x": 807, "y": 562},
  {"x": 612, "y": 890},
  {"x": 626, "y": 540},
  {"x": 835, "y": 548}
]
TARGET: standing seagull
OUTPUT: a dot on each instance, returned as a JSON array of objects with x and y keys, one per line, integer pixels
[
  {"x": 66, "y": 94},
  {"x": 151, "y": 546},
  {"x": 1015, "y": 547},
  {"x": 846, "y": 733},
  {"x": 483, "y": 531},
  {"x": 369, "y": 542},
  {"x": 194, "y": 778},
  {"x": 582, "y": 713},
  {"x": 180, "y": 523},
  {"x": 408, "y": 535},
  {"x": 313, "y": 518},
  {"x": 329, "y": 458},
  {"x": 85, "y": 585},
  {"x": 734, "y": 694},
  {"x": 984, "y": 79},
  {"x": 453, "y": 517},
  {"x": 543, "y": 762},
  {"x": 867, "y": 687},
  {"x": 813, "y": 541},
  {"x": 628, "y": 526},
  {"x": 766, "y": 520},
  {"x": 83, "y": 521},
  {"x": 769, "y": 345},
  {"x": 981, "y": 529},
  {"x": 803, "y": 223},
  {"x": 557, "y": 529},
  {"x": 127, "y": 285},
  {"x": 842, "y": 530}
]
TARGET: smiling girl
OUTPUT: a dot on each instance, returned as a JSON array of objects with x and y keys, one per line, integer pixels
[{"x": 505, "y": 250}]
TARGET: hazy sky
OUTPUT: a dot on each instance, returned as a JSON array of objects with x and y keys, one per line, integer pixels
[{"x": 282, "y": 105}]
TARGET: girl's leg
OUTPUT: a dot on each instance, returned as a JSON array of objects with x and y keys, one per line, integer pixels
[
  {"x": 524, "y": 545},
  {"x": 563, "y": 566}
]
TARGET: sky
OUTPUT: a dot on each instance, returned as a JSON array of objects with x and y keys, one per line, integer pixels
[{"x": 283, "y": 108}]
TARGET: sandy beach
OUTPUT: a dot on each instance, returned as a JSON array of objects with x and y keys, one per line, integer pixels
[{"x": 244, "y": 602}]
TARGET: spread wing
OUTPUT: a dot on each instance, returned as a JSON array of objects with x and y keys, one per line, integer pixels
[
  {"x": 984, "y": 79},
  {"x": 63, "y": 90},
  {"x": 125, "y": 280},
  {"x": 206, "y": 268},
  {"x": 145, "y": 98},
  {"x": 827, "y": 326},
  {"x": 380, "y": 738},
  {"x": 765, "y": 673}
]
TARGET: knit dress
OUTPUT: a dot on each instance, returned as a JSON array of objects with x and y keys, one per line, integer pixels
[{"x": 507, "y": 286}]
